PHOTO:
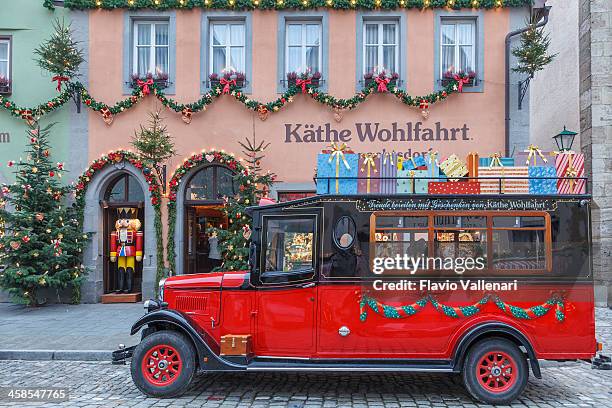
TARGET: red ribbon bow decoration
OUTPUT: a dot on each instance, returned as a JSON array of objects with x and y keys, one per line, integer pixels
[
  {"x": 144, "y": 85},
  {"x": 226, "y": 84},
  {"x": 460, "y": 81},
  {"x": 303, "y": 83},
  {"x": 382, "y": 83},
  {"x": 59, "y": 79}
]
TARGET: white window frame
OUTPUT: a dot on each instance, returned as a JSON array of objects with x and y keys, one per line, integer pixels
[
  {"x": 152, "y": 46},
  {"x": 380, "y": 45},
  {"x": 457, "y": 46},
  {"x": 8, "y": 57},
  {"x": 228, "y": 45},
  {"x": 304, "y": 46}
]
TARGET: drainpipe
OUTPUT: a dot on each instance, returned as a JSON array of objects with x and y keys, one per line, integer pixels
[{"x": 541, "y": 14}]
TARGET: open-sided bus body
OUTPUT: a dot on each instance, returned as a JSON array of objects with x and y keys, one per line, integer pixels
[{"x": 483, "y": 285}]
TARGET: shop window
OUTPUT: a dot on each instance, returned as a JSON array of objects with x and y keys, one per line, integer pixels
[
  {"x": 151, "y": 54},
  {"x": 227, "y": 47},
  {"x": 124, "y": 189},
  {"x": 380, "y": 47},
  {"x": 303, "y": 47},
  {"x": 211, "y": 183},
  {"x": 5, "y": 65},
  {"x": 289, "y": 245},
  {"x": 519, "y": 243}
]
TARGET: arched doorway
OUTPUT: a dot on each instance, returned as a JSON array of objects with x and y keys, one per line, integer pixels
[
  {"x": 123, "y": 192},
  {"x": 203, "y": 204}
]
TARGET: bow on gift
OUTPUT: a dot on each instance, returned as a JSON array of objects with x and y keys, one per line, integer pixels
[
  {"x": 382, "y": 83},
  {"x": 338, "y": 154},
  {"x": 495, "y": 160},
  {"x": 411, "y": 173},
  {"x": 144, "y": 85},
  {"x": 571, "y": 172},
  {"x": 59, "y": 79},
  {"x": 534, "y": 151},
  {"x": 369, "y": 164},
  {"x": 302, "y": 83},
  {"x": 226, "y": 84},
  {"x": 460, "y": 81},
  {"x": 390, "y": 156}
]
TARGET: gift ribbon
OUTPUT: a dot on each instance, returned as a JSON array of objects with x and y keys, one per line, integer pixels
[
  {"x": 460, "y": 81},
  {"x": 411, "y": 173},
  {"x": 144, "y": 85},
  {"x": 473, "y": 164},
  {"x": 496, "y": 162},
  {"x": 534, "y": 151},
  {"x": 226, "y": 84},
  {"x": 382, "y": 84},
  {"x": 59, "y": 79},
  {"x": 302, "y": 83},
  {"x": 433, "y": 161},
  {"x": 368, "y": 164},
  {"x": 338, "y": 154},
  {"x": 400, "y": 162},
  {"x": 571, "y": 172}
]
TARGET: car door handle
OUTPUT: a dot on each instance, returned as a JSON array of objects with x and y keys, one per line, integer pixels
[{"x": 307, "y": 285}]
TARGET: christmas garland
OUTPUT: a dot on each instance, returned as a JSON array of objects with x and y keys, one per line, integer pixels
[
  {"x": 206, "y": 157},
  {"x": 399, "y": 312},
  {"x": 144, "y": 88},
  {"x": 154, "y": 193},
  {"x": 285, "y": 4}
]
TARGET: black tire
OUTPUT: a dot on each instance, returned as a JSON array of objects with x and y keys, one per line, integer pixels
[
  {"x": 172, "y": 359},
  {"x": 507, "y": 368}
]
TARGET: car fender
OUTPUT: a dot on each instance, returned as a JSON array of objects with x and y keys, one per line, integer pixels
[
  {"x": 208, "y": 360},
  {"x": 496, "y": 329}
]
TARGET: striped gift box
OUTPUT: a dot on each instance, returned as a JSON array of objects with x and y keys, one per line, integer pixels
[
  {"x": 508, "y": 186},
  {"x": 570, "y": 165}
]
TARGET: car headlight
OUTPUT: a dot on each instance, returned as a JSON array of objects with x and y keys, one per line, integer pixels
[{"x": 161, "y": 289}]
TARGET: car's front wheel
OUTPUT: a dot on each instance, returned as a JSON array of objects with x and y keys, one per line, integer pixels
[
  {"x": 495, "y": 371},
  {"x": 163, "y": 364}
]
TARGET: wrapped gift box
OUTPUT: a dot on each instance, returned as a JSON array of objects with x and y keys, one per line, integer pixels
[
  {"x": 472, "y": 164},
  {"x": 369, "y": 166},
  {"x": 453, "y": 167},
  {"x": 433, "y": 167},
  {"x": 404, "y": 185},
  {"x": 388, "y": 168},
  {"x": 570, "y": 165},
  {"x": 542, "y": 186},
  {"x": 504, "y": 161},
  {"x": 533, "y": 156},
  {"x": 508, "y": 186},
  {"x": 413, "y": 163},
  {"x": 453, "y": 187},
  {"x": 332, "y": 164}
]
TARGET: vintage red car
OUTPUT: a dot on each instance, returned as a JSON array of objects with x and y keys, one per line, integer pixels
[{"x": 316, "y": 299}]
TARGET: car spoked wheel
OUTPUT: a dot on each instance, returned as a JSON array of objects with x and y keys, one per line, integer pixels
[
  {"x": 163, "y": 364},
  {"x": 495, "y": 371}
]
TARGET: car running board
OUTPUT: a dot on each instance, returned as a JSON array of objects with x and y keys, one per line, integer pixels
[{"x": 440, "y": 366}]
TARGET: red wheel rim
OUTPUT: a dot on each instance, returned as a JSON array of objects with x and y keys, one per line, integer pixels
[
  {"x": 496, "y": 371},
  {"x": 162, "y": 365}
]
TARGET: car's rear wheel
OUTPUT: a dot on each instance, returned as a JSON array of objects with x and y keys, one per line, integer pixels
[
  {"x": 495, "y": 371},
  {"x": 163, "y": 364}
]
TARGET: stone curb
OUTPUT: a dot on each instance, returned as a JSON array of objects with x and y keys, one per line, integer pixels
[{"x": 46, "y": 355}]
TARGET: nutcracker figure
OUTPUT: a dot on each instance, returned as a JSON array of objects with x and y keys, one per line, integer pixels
[{"x": 126, "y": 247}]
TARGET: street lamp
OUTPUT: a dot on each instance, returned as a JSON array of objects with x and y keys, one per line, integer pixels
[{"x": 565, "y": 140}]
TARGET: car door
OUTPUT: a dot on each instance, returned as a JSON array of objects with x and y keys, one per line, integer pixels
[{"x": 286, "y": 285}]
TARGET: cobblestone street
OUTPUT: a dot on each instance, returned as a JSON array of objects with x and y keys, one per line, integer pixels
[{"x": 102, "y": 384}]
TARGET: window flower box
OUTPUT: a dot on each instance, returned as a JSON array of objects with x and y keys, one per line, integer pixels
[
  {"x": 370, "y": 78},
  {"x": 160, "y": 80},
  {"x": 5, "y": 86},
  {"x": 315, "y": 79},
  {"x": 239, "y": 77},
  {"x": 448, "y": 78}
]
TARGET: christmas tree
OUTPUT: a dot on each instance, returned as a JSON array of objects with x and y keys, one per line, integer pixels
[
  {"x": 253, "y": 184},
  {"x": 60, "y": 54},
  {"x": 42, "y": 240},
  {"x": 154, "y": 144},
  {"x": 533, "y": 54}
]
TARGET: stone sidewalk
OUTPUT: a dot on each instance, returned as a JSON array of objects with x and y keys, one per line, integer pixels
[
  {"x": 92, "y": 331},
  {"x": 57, "y": 328}
]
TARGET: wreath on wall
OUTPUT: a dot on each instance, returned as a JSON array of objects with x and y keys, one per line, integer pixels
[{"x": 155, "y": 194}]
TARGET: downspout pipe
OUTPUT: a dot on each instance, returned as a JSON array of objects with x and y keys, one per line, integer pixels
[{"x": 544, "y": 20}]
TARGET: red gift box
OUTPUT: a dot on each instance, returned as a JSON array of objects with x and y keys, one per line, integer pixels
[
  {"x": 570, "y": 165},
  {"x": 369, "y": 166},
  {"x": 453, "y": 187}
]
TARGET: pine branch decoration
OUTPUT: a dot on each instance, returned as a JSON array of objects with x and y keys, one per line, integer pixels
[
  {"x": 60, "y": 54},
  {"x": 533, "y": 53}
]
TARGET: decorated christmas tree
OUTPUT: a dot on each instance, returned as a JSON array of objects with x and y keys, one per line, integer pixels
[
  {"x": 60, "y": 54},
  {"x": 154, "y": 144},
  {"x": 42, "y": 242},
  {"x": 532, "y": 54},
  {"x": 253, "y": 185}
]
